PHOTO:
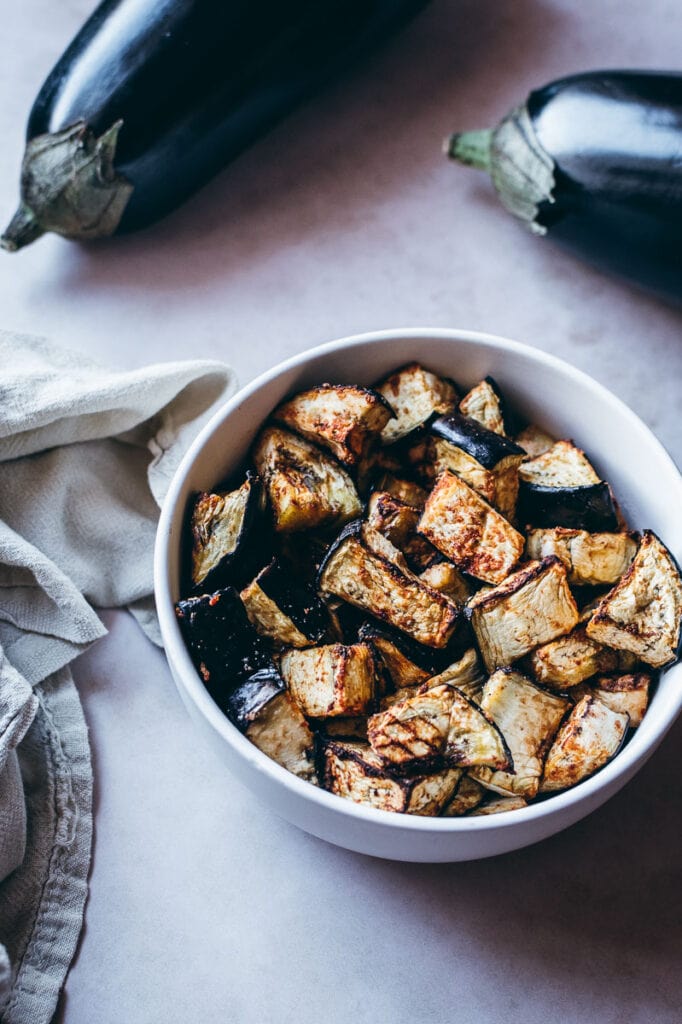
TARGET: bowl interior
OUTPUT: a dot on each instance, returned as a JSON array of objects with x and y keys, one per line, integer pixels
[{"x": 544, "y": 390}]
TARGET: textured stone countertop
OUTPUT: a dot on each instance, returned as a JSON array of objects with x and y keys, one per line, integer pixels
[{"x": 203, "y": 906}]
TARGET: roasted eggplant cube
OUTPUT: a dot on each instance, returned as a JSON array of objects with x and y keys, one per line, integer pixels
[
  {"x": 467, "y": 674},
  {"x": 222, "y": 642},
  {"x": 408, "y": 662},
  {"x": 642, "y": 612},
  {"x": 411, "y": 734},
  {"x": 534, "y": 440},
  {"x": 331, "y": 680},
  {"x": 530, "y": 608},
  {"x": 223, "y": 525},
  {"x": 591, "y": 559},
  {"x": 371, "y": 581},
  {"x": 447, "y": 579},
  {"x": 486, "y": 404},
  {"x": 411, "y": 493},
  {"x": 344, "y": 418},
  {"x": 473, "y": 737},
  {"x": 397, "y": 521},
  {"x": 291, "y": 614},
  {"x": 262, "y": 709},
  {"x": 498, "y": 805},
  {"x": 628, "y": 693},
  {"x": 468, "y": 795},
  {"x": 355, "y": 772},
  {"x": 414, "y": 394},
  {"x": 589, "y": 737},
  {"x": 485, "y": 460},
  {"x": 528, "y": 718},
  {"x": 561, "y": 488},
  {"x": 306, "y": 488},
  {"x": 571, "y": 659},
  {"x": 468, "y": 531}
]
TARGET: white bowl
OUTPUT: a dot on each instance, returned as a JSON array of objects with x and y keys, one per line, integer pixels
[{"x": 547, "y": 391}]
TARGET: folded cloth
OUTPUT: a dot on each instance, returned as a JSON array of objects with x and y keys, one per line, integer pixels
[{"x": 86, "y": 455}]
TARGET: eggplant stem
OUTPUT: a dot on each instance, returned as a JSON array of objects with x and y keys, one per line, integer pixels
[
  {"x": 471, "y": 148},
  {"x": 21, "y": 230}
]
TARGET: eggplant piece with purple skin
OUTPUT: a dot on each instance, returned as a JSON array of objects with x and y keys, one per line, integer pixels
[
  {"x": 592, "y": 160},
  {"x": 288, "y": 612},
  {"x": 223, "y": 526},
  {"x": 222, "y": 642},
  {"x": 264, "y": 711},
  {"x": 561, "y": 488},
  {"x": 153, "y": 97}
]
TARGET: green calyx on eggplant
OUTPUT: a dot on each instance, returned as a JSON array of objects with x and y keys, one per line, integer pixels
[
  {"x": 153, "y": 97},
  {"x": 592, "y": 160}
]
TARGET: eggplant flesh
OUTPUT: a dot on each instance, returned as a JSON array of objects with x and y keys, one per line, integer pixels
[
  {"x": 158, "y": 95},
  {"x": 601, "y": 153}
]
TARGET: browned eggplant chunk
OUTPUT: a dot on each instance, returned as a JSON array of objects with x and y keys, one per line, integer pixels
[
  {"x": 223, "y": 527},
  {"x": 385, "y": 589},
  {"x": 587, "y": 740},
  {"x": 531, "y": 607},
  {"x": 414, "y": 394},
  {"x": 345, "y": 418},
  {"x": 332, "y": 680},
  {"x": 642, "y": 612},
  {"x": 468, "y": 531},
  {"x": 306, "y": 488}
]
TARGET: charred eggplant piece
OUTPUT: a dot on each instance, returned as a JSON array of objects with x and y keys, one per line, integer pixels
[
  {"x": 447, "y": 579},
  {"x": 627, "y": 694},
  {"x": 642, "y": 612},
  {"x": 468, "y": 795},
  {"x": 591, "y": 559},
  {"x": 411, "y": 493},
  {"x": 355, "y": 772},
  {"x": 411, "y": 734},
  {"x": 408, "y": 662},
  {"x": 262, "y": 709},
  {"x": 534, "y": 440},
  {"x": 561, "y": 488},
  {"x": 528, "y": 718},
  {"x": 485, "y": 460},
  {"x": 414, "y": 394},
  {"x": 397, "y": 521},
  {"x": 290, "y": 614},
  {"x": 498, "y": 805},
  {"x": 223, "y": 526},
  {"x": 466, "y": 674},
  {"x": 332, "y": 680},
  {"x": 346, "y": 419},
  {"x": 588, "y": 739},
  {"x": 486, "y": 404},
  {"x": 355, "y": 572},
  {"x": 530, "y": 608},
  {"x": 474, "y": 739},
  {"x": 223, "y": 643},
  {"x": 468, "y": 531},
  {"x": 306, "y": 488},
  {"x": 570, "y": 660}
]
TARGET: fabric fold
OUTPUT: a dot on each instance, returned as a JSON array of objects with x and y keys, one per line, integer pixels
[{"x": 86, "y": 456}]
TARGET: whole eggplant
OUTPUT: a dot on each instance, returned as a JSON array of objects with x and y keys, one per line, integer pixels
[
  {"x": 153, "y": 97},
  {"x": 595, "y": 161}
]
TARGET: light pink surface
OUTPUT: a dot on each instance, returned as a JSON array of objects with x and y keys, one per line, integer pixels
[{"x": 347, "y": 218}]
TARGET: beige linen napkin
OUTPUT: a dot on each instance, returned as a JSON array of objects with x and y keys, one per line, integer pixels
[{"x": 86, "y": 455}]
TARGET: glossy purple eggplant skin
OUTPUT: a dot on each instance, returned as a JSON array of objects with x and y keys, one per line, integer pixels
[
  {"x": 196, "y": 81},
  {"x": 616, "y": 141}
]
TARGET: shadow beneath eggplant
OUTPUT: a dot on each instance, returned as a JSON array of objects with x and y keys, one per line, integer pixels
[
  {"x": 594, "y": 903},
  {"x": 368, "y": 141}
]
